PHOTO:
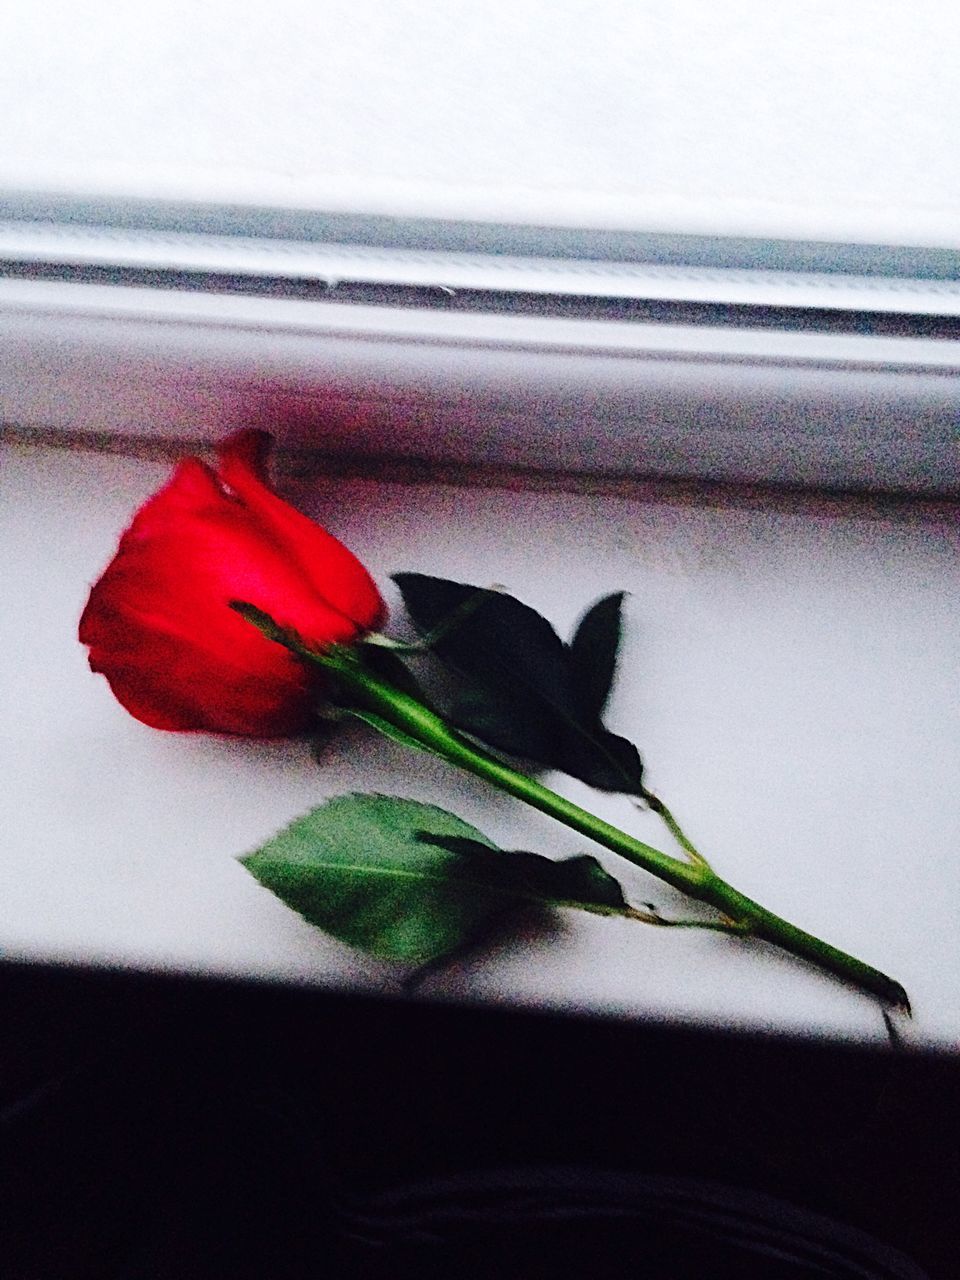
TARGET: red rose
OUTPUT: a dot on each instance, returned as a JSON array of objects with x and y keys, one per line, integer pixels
[{"x": 158, "y": 623}]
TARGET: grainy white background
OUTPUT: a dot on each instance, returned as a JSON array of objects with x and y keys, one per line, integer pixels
[
  {"x": 791, "y": 678},
  {"x": 810, "y": 119}
]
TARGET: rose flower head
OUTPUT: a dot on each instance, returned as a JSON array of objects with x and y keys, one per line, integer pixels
[{"x": 159, "y": 624}]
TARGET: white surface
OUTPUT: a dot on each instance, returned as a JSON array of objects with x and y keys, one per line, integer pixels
[
  {"x": 813, "y": 119},
  {"x": 792, "y": 680}
]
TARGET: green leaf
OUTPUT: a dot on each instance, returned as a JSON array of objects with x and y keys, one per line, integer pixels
[
  {"x": 516, "y": 691},
  {"x": 579, "y": 882},
  {"x": 523, "y": 691},
  {"x": 390, "y": 666},
  {"x": 410, "y": 882},
  {"x": 263, "y": 622},
  {"x": 602, "y": 759},
  {"x": 495, "y": 712},
  {"x": 593, "y": 654}
]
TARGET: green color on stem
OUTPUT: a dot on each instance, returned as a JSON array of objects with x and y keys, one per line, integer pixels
[{"x": 417, "y": 724}]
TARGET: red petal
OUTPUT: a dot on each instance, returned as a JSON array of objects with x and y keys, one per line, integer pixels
[
  {"x": 159, "y": 625},
  {"x": 332, "y": 571},
  {"x": 241, "y": 683}
]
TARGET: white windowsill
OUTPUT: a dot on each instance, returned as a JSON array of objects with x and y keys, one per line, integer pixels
[{"x": 789, "y": 673}]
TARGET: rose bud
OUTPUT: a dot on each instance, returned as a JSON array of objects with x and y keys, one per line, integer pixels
[{"x": 159, "y": 624}]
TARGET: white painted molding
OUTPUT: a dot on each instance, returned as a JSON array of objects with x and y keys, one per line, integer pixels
[{"x": 601, "y": 396}]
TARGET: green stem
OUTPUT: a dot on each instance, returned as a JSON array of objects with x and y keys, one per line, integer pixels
[
  {"x": 656, "y": 805},
  {"x": 418, "y": 722}
]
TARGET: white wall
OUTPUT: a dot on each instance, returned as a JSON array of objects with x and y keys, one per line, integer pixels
[{"x": 809, "y": 119}]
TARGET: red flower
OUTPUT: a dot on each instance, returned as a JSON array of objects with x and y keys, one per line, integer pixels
[{"x": 158, "y": 623}]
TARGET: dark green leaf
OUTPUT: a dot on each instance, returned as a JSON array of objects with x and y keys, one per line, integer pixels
[
  {"x": 410, "y": 882},
  {"x": 579, "y": 881},
  {"x": 603, "y": 759},
  {"x": 494, "y": 713},
  {"x": 515, "y": 691},
  {"x": 263, "y": 622},
  {"x": 390, "y": 666},
  {"x": 593, "y": 654},
  {"x": 520, "y": 689},
  {"x": 500, "y": 641}
]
